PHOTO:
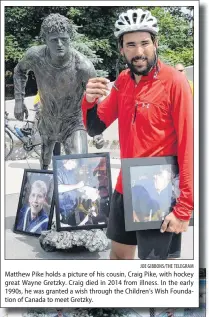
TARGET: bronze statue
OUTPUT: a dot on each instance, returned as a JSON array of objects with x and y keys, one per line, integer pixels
[{"x": 61, "y": 74}]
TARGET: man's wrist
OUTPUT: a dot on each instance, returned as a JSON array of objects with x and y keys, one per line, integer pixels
[
  {"x": 87, "y": 104},
  {"x": 181, "y": 216},
  {"x": 89, "y": 100}
]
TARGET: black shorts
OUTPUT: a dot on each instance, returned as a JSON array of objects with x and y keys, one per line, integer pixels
[{"x": 152, "y": 244}]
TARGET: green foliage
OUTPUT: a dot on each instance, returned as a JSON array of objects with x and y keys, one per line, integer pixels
[
  {"x": 98, "y": 24},
  {"x": 12, "y": 49},
  {"x": 175, "y": 36},
  {"x": 183, "y": 56},
  {"x": 94, "y": 35},
  {"x": 86, "y": 47},
  {"x": 22, "y": 25}
]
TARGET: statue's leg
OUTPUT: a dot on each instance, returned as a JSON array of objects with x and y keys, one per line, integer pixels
[
  {"x": 76, "y": 143},
  {"x": 47, "y": 147},
  {"x": 57, "y": 149}
]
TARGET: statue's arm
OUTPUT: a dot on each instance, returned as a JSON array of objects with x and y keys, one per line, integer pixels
[
  {"x": 21, "y": 75},
  {"x": 20, "y": 78},
  {"x": 88, "y": 71}
]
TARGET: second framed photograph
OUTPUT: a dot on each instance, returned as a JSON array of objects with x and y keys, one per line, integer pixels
[
  {"x": 83, "y": 189},
  {"x": 151, "y": 187}
]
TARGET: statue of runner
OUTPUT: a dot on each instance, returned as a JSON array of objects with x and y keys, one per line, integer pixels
[{"x": 61, "y": 74}]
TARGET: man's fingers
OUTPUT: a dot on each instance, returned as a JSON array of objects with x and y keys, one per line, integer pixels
[
  {"x": 99, "y": 80},
  {"x": 170, "y": 229},
  {"x": 102, "y": 85},
  {"x": 101, "y": 92},
  {"x": 173, "y": 224},
  {"x": 164, "y": 225},
  {"x": 96, "y": 85},
  {"x": 92, "y": 97},
  {"x": 96, "y": 88},
  {"x": 185, "y": 226}
]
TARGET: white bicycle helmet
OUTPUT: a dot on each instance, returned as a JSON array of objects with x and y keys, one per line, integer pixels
[{"x": 135, "y": 20}]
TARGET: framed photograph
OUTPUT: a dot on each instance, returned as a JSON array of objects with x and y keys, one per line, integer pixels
[
  {"x": 83, "y": 189},
  {"x": 151, "y": 187},
  {"x": 36, "y": 203}
]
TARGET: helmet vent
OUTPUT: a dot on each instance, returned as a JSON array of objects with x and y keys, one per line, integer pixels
[
  {"x": 142, "y": 18},
  {"x": 135, "y": 20},
  {"x": 134, "y": 17},
  {"x": 126, "y": 18}
]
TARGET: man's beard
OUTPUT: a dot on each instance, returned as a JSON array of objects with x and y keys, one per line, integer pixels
[{"x": 150, "y": 65}]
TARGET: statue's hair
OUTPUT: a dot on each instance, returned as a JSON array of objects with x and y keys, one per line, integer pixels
[{"x": 55, "y": 22}]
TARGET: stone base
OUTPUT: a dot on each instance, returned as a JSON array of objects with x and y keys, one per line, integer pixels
[{"x": 92, "y": 240}]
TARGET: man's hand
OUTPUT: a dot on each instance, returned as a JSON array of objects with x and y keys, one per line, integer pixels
[
  {"x": 20, "y": 110},
  {"x": 172, "y": 224},
  {"x": 96, "y": 88}
]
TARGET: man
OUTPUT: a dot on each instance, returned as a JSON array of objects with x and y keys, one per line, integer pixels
[
  {"x": 180, "y": 68},
  {"x": 33, "y": 218},
  {"x": 152, "y": 198},
  {"x": 61, "y": 73},
  {"x": 153, "y": 104}
]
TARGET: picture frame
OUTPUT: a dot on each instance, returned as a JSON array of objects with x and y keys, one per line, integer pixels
[
  {"x": 150, "y": 189},
  {"x": 36, "y": 203},
  {"x": 83, "y": 190}
]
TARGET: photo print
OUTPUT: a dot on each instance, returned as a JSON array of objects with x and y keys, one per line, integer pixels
[
  {"x": 83, "y": 190},
  {"x": 151, "y": 189},
  {"x": 36, "y": 203}
]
